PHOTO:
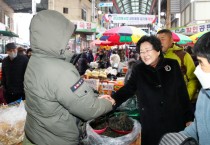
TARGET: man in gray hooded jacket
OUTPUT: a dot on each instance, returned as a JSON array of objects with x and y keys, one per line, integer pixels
[{"x": 56, "y": 96}]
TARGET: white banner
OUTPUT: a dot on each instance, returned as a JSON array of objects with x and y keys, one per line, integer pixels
[{"x": 134, "y": 19}]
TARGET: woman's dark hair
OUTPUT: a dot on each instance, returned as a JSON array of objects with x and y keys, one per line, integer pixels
[
  {"x": 153, "y": 40},
  {"x": 202, "y": 46}
]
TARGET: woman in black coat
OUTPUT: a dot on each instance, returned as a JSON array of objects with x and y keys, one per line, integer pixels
[{"x": 161, "y": 92}]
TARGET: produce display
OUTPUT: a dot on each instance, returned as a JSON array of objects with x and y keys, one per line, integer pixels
[
  {"x": 12, "y": 121},
  {"x": 111, "y": 132},
  {"x": 121, "y": 123},
  {"x": 100, "y": 73}
]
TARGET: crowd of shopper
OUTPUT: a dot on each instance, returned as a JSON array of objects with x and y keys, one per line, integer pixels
[
  {"x": 13, "y": 70},
  {"x": 164, "y": 77}
]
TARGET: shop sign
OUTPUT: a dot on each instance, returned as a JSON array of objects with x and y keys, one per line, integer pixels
[
  {"x": 110, "y": 4},
  {"x": 135, "y": 19},
  {"x": 83, "y": 26},
  {"x": 94, "y": 83},
  {"x": 190, "y": 30},
  {"x": 89, "y": 37},
  {"x": 107, "y": 87}
]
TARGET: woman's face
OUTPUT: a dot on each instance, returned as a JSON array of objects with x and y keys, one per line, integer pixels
[
  {"x": 149, "y": 55},
  {"x": 204, "y": 64}
]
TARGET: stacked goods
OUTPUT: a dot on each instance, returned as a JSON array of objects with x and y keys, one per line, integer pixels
[
  {"x": 100, "y": 73},
  {"x": 124, "y": 69},
  {"x": 97, "y": 73},
  {"x": 88, "y": 73},
  {"x": 12, "y": 121},
  {"x": 118, "y": 85},
  {"x": 106, "y": 88}
]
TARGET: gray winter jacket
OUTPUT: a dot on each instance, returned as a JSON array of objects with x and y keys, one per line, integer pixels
[{"x": 56, "y": 96}]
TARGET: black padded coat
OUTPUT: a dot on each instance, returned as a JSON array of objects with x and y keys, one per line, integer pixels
[{"x": 162, "y": 98}]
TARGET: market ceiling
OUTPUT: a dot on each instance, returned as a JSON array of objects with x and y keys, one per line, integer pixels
[
  {"x": 24, "y": 6},
  {"x": 123, "y": 6},
  {"x": 134, "y": 6}
]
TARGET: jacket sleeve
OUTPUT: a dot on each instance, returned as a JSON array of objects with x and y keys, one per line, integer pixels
[
  {"x": 184, "y": 96},
  {"x": 192, "y": 84},
  {"x": 127, "y": 91},
  {"x": 78, "y": 98},
  {"x": 191, "y": 130}
]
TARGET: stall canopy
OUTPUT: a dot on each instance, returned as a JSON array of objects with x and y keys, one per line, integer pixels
[
  {"x": 196, "y": 36},
  {"x": 8, "y": 33},
  {"x": 123, "y": 34}
]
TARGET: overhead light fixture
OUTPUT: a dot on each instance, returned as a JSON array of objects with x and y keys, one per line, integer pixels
[
  {"x": 162, "y": 13},
  {"x": 100, "y": 12}
]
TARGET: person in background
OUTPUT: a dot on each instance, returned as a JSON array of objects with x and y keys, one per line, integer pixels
[
  {"x": 96, "y": 56},
  {"x": 107, "y": 58},
  {"x": 189, "y": 50},
  {"x": 131, "y": 54},
  {"x": 28, "y": 52},
  {"x": 127, "y": 50},
  {"x": 102, "y": 59},
  {"x": 114, "y": 60},
  {"x": 171, "y": 50},
  {"x": 90, "y": 55},
  {"x": 57, "y": 98},
  {"x": 121, "y": 53},
  {"x": 200, "y": 128},
  {"x": 82, "y": 65},
  {"x": 134, "y": 55},
  {"x": 131, "y": 63},
  {"x": 161, "y": 92},
  {"x": 110, "y": 19},
  {"x": 21, "y": 50},
  {"x": 13, "y": 70}
]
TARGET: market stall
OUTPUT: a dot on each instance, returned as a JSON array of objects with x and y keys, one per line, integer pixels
[{"x": 104, "y": 81}]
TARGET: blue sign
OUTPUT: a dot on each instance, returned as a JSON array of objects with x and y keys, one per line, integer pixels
[{"x": 105, "y": 4}]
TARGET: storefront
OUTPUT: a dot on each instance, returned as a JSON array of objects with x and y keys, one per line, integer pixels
[
  {"x": 85, "y": 33},
  {"x": 5, "y": 37}
]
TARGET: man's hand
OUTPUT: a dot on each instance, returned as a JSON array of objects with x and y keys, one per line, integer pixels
[
  {"x": 188, "y": 123},
  {"x": 109, "y": 98}
]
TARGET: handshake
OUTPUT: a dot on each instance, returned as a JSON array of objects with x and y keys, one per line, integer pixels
[{"x": 109, "y": 98}]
